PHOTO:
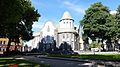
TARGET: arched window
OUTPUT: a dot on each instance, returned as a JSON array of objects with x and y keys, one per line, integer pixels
[
  {"x": 0, "y": 42},
  {"x": 67, "y": 35},
  {"x": 4, "y": 42},
  {"x": 63, "y": 35},
  {"x": 48, "y": 29}
]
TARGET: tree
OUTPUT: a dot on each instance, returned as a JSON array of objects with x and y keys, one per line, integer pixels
[
  {"x": 95, "y": 20},
  {"x": 17, "y": 17},
  {"x": 113, "y": 28},
  {"x": 117, "y": 21}
]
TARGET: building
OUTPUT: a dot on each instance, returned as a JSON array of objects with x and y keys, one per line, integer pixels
[
  {"x": 26, "y": 48},
  {"x": 65, "y": 31},
  {"x": 4, "y": 42}
]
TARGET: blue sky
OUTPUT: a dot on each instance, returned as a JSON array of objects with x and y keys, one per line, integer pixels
[{"x": 54, "y": 9}]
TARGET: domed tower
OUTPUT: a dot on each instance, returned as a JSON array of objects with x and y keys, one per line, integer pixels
[
  {"x": 66, "y": 31},
  {"x": 66, "y": 21}
]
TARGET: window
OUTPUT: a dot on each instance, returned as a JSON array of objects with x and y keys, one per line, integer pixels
[
  {"x": 48, "y": 29},
  {"x": 63, "y": 36},
  {"x": 67, "y": 35},
  {"x": 72, "y": 36},
  {"x": 3, "y": 49},
  {"x": 4, "y": 42},
  {"x": 70, "y": 25},
  {"x": 0, "y": 42}
]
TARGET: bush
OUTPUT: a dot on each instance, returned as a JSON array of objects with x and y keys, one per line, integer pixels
[
  {"x": 101, "y": 57},
  {"x": 95, "y": 44},
  {"x": 12, "y": 52}
]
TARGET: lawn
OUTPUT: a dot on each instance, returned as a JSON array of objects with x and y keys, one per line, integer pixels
[
  {"x": 10, "y": 61},
  {"x": 111, "y": 57}
]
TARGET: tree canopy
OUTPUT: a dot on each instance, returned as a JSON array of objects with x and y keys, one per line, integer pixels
[
  {"x": 17, "y": 17},
  {"x": 95, "y": 19},
  {"x": 99, "y": 23},
  {"x": 117, "y": 21}
]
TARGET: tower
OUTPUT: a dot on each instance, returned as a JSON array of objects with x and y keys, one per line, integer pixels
[
  {"x": 66, "y": 30},
  {"x": 66, "y": 21}
]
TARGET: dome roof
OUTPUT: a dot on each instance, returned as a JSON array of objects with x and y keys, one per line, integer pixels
[{"x": 66, "y": 15}]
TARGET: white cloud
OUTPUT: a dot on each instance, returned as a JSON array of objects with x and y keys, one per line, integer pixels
[
  {"x": 113, "y": 12},
  {"x": 74, "y": 7}
]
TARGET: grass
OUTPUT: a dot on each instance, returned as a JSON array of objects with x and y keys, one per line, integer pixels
[
  {"x": 111, "y": 57},
  {"x": 5, "y": 62},
  {"x": 114, "y": 57}
]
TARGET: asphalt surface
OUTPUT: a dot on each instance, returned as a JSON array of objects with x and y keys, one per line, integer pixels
[{"x": 62, "y": 63}]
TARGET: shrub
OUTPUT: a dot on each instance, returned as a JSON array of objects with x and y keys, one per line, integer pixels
[{"x": 95, "y": 44}]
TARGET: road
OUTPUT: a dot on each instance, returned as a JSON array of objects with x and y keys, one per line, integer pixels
[{"x": 62, "y": 63}]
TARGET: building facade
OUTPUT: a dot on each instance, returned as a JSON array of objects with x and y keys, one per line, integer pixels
[
  {"x": 4, "y": 43},
  {"x": 65, "y": 31}
]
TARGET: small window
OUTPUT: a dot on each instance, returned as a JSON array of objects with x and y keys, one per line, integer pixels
[
  {"x": 0, "y": 42},
  {"x": 48, "y": 29},
  {"x": 67, "y": 35},
  {"x": 63, "y": 36},
  {"x": 3, "y": 49},
  {"x": 4, "y": 42},
  {"x": 70, "y": 24},
  {"x": 72, "y": 36}
]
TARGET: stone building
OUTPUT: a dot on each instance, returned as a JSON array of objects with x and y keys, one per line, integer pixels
[
  {"x": 65, "y": 31},
  {"x": 47, "y": 35}
]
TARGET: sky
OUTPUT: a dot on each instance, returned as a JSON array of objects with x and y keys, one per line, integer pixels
[{"x": 53, "y": 10}]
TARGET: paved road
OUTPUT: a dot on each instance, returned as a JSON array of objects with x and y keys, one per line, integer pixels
[{"x": 62, "y": 63}]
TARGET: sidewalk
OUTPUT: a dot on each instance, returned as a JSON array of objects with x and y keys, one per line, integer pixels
[
  {"x": 100, "y": 62},
  {"x": 90, "y": 52}
]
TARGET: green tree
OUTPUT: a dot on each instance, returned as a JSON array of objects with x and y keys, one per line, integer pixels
[
  {"x": 117, "y": 21},
  {"x": 17, "y": 17},
  {"x": 113, "y": 28},
  {"x": 95, "y": 19}
]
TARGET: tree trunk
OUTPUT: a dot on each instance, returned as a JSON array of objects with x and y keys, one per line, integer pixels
[
  {"x": 103, "y": 45},
  {"x": 113, "y": 44},
  {"x": 15, "y": 45},
  {"x": 9, "y": 44}
]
